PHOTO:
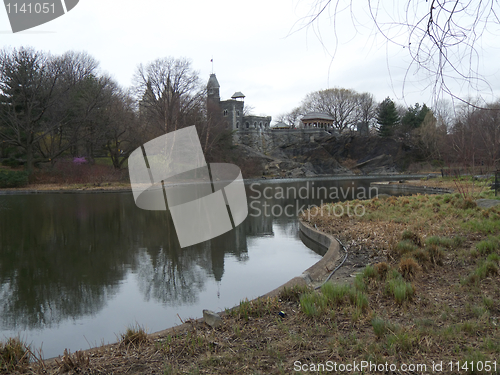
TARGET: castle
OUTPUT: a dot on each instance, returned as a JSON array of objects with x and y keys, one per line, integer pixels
[
  {"x": 233, "y": 109},
  {"x": 255, "y": 131}
]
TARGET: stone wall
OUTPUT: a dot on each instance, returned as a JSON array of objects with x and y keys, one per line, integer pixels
[{"x": 265, "y": 140}]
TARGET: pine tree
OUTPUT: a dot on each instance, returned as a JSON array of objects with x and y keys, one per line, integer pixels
[
  {"x": 387, "y": 117},
  {"x": 414, "y": 116}
]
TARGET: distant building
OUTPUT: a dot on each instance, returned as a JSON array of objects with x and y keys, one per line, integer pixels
[
  {"x": 233, "y": 109},
  {"x": 317, "y": 120}
]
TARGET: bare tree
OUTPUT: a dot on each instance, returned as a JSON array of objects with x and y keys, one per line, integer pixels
[
  {"x": 366, "y": 110},
  {"x": 442, "y": 37},
  {"x": 291, "y": 118},
  {"x": 341, "y": 104},
  {"x": 168, "y": 91},
  {"x": 122, "y": 130}
]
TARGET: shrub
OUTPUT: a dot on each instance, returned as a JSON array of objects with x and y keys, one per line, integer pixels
[
  {"x": 10, "y": 162},
  {"x": 12, "y": 179}
]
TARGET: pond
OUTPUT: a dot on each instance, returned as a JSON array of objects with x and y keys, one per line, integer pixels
[{"x": 77, "y": 269}]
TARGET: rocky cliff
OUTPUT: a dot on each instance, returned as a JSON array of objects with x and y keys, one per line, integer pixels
[{"x": 328, "y": 155}]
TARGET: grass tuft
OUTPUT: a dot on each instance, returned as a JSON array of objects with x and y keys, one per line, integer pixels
[
  {"x": 73, "y": 362},
  {"x": 405, "y": 246},
  {"x": 135, "y": 335},
  {"x": 379, "y": 326},
  {"x": 399, "y": 288},
  {"x": 13, "y": 354},
  {"x": 408, "y": 268},
  {"x": 488, "y": 246}
]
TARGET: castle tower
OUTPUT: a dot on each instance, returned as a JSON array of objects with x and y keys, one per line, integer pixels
[{"x": 213, "y": 89}]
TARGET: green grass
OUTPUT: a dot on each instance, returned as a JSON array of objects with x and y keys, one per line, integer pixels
[
  {"x": 335, "y": 292},
  {"x": 483, "y": 270},
  {"x": 488, "y": 246},
  {"x": 405, "y": 246},
  {"x": 309, "y": 304},
  {"x": 379, "y": 326},
  {"x": 439, "y": 241},
  {"x": 400, "y": 289}
]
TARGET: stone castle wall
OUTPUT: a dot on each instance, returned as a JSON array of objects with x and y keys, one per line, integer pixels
[{"x": 265, "y": 140}]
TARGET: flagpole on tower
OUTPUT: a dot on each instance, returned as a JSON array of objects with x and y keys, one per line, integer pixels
[{"x": 212, "y": 61}]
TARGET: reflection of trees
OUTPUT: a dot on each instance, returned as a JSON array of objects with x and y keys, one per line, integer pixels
[
  {"x": 58, "y": 257},
  {"x": 62, "y": 255}
]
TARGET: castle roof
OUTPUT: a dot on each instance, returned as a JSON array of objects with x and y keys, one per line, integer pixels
[
  {"x": 212, "y": 82},
  {"x": 238, "y": 95},
  {"x": 317, "y": 116}
]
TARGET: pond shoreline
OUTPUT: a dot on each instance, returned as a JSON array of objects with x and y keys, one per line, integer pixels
[{"x": 68, "y": 189}]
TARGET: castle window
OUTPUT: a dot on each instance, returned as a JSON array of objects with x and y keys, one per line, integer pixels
[
  {"x": 255, "y": 124},
  {"x": 225, "y": 112},
  {"x": 247, "y": 124},
  {"x": 260, "y": 124},
  {"x": 238, "y": 113},
  {"x": 237, "y": 124},
  {"x": 265, "y": 124}
]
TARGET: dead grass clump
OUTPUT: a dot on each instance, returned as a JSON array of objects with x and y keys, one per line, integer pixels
[
  {"x": 382, "y": 268},
  {"x": 13, "y": 354},
  {"x": 134, "y": 336},
  {"x": 436, "y": 254},
  {"x": 409, "y": 268},
  {"x": 421, "y": 256},
  {"x": 73, "y": 362}
]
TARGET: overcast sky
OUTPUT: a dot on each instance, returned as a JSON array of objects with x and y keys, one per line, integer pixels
[{"x": 261, "y": 48}]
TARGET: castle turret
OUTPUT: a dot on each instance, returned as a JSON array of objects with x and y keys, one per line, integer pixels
[{"x": 213, "y": 89}]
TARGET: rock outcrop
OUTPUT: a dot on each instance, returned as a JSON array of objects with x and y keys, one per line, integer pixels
[{"x": 331, "y": 155}]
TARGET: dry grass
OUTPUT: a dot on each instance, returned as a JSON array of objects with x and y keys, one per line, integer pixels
[{"x": 77, "y": 362}]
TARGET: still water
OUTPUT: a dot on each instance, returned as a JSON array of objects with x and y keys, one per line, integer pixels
[{"x": 77, "y": 269}]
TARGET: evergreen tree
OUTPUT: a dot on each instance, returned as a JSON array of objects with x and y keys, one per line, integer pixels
[
  {"x": 414, "y": 116},
  {"x": 387, "y": 117}
]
